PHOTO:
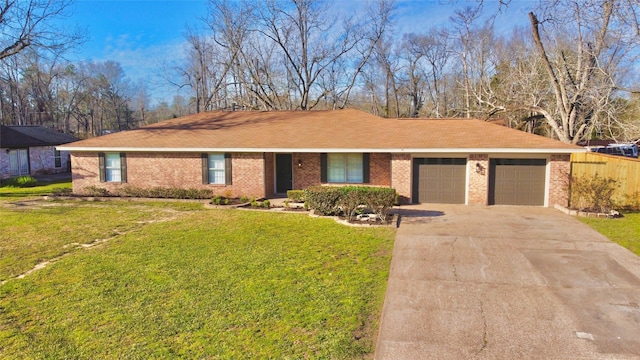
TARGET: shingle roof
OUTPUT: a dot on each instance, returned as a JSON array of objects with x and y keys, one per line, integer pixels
[
  {"x": 25, "y": 136},
  {"x": 322, "y": 130}
]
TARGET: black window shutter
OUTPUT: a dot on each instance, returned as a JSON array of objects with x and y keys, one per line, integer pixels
[
  {"x": 101, "y": 167},
  {"x": 205, "y": 168},
  {"x": 123, "y": 167},
  {"x": 366, "y": 169},
  {"x": 228, "y": 175},
  {"x": 323, "y": 167}
]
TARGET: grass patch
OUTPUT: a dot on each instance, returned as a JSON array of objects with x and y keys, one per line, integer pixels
[
  {"x": 32, "y": 233},
  {"x": 209, "y": 284},
  {"x": 15, "y": 193},
  {"x": 624, "y": 231}
]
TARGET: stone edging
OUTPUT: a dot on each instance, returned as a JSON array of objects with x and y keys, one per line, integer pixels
[{"x": 614, "y": 214}]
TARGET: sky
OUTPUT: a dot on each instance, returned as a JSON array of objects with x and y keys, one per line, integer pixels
[{"x": 142, "y": 35}]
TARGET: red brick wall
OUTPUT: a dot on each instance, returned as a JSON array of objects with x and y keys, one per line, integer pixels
[
  {"x": 269, "y": 174},
  {"x": 560, "y": 168},
  {"x": 308, "y": 174},
  {"x": 183, "y": 170},
  {"x": 380, "y": 174},
  {"x": 401, "y": 176},
  {"x": 478, "y": 170}
]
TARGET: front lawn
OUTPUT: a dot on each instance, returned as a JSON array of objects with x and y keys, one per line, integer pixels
[
  {"x": 203, "y": 284},
  {"x": 624, "y": 231},
  {"x": 15, "y": 193}
]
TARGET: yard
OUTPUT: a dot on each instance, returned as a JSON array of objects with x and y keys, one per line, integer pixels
[
  {"x": 173, "y": 280},
  {"x": 625, "y": 231}
]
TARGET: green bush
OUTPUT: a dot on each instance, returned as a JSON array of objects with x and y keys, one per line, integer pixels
[
  {"x": 377, "y": 199},
  {"x": 95, "y": 191},
  {"x": 347, "y": 199},
  {"x": 164, "y": 193},
  {"x": 296, "y": 195},
  {"x": 218, "y": 200},
  {"x": 323, "y": 199},
  {"x": 593, "y": 193},
  {"x": 61, "y": 191},
  {"x": 20, "y": 182}
]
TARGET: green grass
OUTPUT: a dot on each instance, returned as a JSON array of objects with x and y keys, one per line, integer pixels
[
  {"x": 625, "y": 231},
  {"x": 15, "y": 193},
  {"x": 214, "y": 284}
]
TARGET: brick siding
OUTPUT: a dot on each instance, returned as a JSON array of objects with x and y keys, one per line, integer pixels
[
  {"x": 560, "y": 169},
  {"x": 401, "y": 176},
  {"x": 308, "y": 173},
  {"x": 179, "y": 170},
  {"x": 478, "y": 170},
  {"x": 41, "y": 161}
]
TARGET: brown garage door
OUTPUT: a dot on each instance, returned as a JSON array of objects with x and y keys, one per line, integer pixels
[
  {"x": 439, "y": 180},
  {"x": 517, "y": 181}
]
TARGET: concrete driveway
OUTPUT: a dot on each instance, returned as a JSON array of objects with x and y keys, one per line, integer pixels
[{"x": 507, "y": 283}]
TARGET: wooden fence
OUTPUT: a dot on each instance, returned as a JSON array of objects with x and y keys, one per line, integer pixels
[{"x": 625, "y": 170}]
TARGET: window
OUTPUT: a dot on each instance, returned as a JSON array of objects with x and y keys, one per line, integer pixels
[
  {"x": 57, "y": 158},
  {"x": 216, "y": 169},
  {"x": 113, "y": 167},
  {"x": 345, "y": 168}
]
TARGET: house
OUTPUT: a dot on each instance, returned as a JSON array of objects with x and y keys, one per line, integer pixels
[
  {"x": 264, "y": 154},
  {"x": 30, "y": 150}
]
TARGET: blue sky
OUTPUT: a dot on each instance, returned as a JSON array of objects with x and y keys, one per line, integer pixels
[{"x": 144, "y": 34}]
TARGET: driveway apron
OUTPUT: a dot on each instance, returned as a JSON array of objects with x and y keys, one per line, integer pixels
[{"x": 506, "y": 282}]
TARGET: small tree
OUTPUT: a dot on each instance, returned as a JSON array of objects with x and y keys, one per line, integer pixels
[{"x": 593, "y": 193}]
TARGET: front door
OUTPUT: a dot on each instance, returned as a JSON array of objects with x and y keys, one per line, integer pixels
[
  {"x": 19, "y": 160},
  {"x": 284, "y": 173}
]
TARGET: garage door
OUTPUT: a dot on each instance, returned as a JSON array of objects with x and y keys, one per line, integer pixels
[
  {"x": 439, "y": 180},
  {"x": 517, "y": 181}
]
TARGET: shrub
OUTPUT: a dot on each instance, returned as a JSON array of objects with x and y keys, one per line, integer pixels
[
  {"x": 217, "y": 200},
  {"x": 377, "y": 199},
  {"x": 332, "y": 200},
  {"x": 95, "y": 191},
  {"x": 323, "y": 199},
  {"x": 296, "y": 195},
  {"x": 164, "y": 193},
  {"x": 266, "y": 204},
  {"x": 20, "y": 182},
  {"x": 61, "y": 191},
  {"x": 380, "y": 200},
  {"x": 593, "y": 193}
]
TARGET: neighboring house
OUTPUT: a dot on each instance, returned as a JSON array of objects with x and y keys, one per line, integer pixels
[
  {"x": 264, "y": 154},
  {"x": 30, "y": 150}
]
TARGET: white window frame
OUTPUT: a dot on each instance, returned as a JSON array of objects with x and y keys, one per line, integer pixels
[
  {"x": 345, "y": 168},
  {"x": 216, "y": 168},
  {"x": 112, "y": 167}
]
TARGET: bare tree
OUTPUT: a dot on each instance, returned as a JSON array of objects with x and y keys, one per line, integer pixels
[
  {"x": 34, "y": 24},
  {"x": 583, "y": 47}
]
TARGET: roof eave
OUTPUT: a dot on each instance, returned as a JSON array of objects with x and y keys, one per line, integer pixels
[{"x": 327, "y": 150}]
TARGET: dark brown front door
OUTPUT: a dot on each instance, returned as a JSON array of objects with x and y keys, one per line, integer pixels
[{"x": 284, "y": 173}]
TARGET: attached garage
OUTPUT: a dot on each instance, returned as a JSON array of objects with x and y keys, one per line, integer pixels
[
  {"x": 517, "y": 181},
  {"x": 439, "y": 180}
]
